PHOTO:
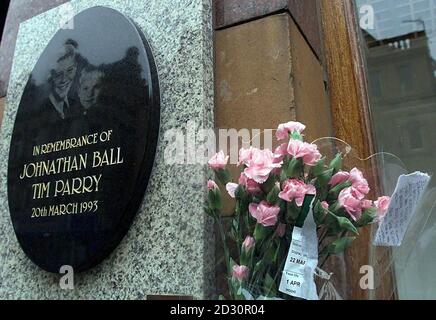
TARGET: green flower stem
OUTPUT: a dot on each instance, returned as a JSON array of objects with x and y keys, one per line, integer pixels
[
  {"x": 240, "y": 239},
  {"x": 277, "y": 279},
  {"x": 226, "y": 251},
  {"x": 265, "y": 249},
  {"x": 327, "y": 254}
]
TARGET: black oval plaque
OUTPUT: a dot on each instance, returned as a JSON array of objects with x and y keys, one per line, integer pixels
[{"x": 84, "y": 141}]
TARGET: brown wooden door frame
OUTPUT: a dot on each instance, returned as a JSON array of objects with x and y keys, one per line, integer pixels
[{"x": 349, "y": 103}]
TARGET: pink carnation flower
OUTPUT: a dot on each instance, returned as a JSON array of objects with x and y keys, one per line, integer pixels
[
  {"x": 281, "y": 230},
  {"x": 303, "y": 150},
  {"x": 351, "y": 200},
  {"x": 358, "y": 181},
  {"x": 296, "y": 190},
  {"x": 260, "y": 165},
  {"x": 367, "y": 204},
  {"x": 245, "y": 155},
  {"x": 218, "y": 161},
  {"x": 240, "y": 272},
  {"x": 211, "y": 185},
  {"x": 382, "y": 205},
  {"x": 355, "y": 176},
  {"x": 250, "y": 185},
  {"x": 280, "y": 152},
  {"x": 339, "y": 178},
  {"x": 264, "y": 213},
  {"x": 248, "y": 243},
  {"x": 285, "y": 129}
]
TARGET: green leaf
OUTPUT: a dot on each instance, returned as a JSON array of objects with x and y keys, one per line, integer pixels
[
  {"x": 249, "y": 223},
  {"x": 319, "y": 214},
  {"x": 268, "y": 251},
  {"x": 257, "y": 267},
  {"x": 269, "y": 184},
  {"x": 336, "y": 163},
  {"x": 273, "y": 195},
  {"x": 270, "y": 288},
  {"x": 332, "y": 222},
  {"x": 319, "y": 168},
  {"x": 235, "y": 288},
  {"x": 232, "y": 263},
  {"x": 214, "y": 198},
  {"x": 245, "y": 257},
  {"x": 243, "y": 207},
  {"x": 278, "y": 251},
  {"x": 282, "y": 204},
  {"x": 283, "y": 176},
  {"x": 235, "y": 225},
  {"x": 338, "y": 224},
  {"x": 324, "y": 178},
  {"x": 335, "y": 191},
  {"x": 224, "y": 176},
  {"x": 261, "y": 232},
  {"x": 240, "y": 192},
  {"x": 346, "y": 224},
  {"x": 233, "y": 234},
  {"x": 238, "y": 208},
  {"x": 340, "y": 245},
  {"x": 210, "y": 212},
  {"x": 292, "y": 212},
  {"x": 336, "y": 208},
  {"x": 296, "y": 136},
  {"x": 295, "y": 168},
  {"x": 368, "y": 217}
]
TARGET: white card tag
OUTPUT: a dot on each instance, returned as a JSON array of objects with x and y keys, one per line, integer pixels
[
  {"x": 298, "y": 273},
  {"x": 404, "y": 202}
]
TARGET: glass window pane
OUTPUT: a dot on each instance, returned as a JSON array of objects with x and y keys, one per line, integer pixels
[{"x": 400, "y": 53}]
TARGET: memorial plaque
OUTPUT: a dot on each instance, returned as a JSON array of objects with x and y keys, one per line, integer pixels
[{"x": 84, "y": 141}]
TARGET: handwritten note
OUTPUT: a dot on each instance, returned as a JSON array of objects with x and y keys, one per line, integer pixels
[{"x": 402, "y": 209}]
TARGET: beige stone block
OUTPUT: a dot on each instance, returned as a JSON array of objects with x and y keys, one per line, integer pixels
[{"x": 253, "y": 74}]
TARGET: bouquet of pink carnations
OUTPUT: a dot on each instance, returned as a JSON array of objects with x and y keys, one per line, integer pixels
[{"x": 274, "y": 194}]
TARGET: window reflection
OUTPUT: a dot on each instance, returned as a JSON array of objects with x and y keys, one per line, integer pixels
[{"x": 400, "y": 54}]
